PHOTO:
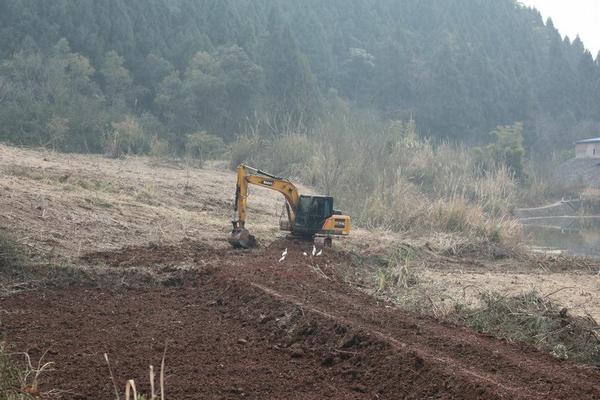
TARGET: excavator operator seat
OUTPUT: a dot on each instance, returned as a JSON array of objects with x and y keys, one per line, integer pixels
[{"x": 311, "y": 214}]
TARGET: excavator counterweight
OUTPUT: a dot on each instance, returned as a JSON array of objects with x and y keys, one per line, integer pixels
[{"x": 308, "y": 217}]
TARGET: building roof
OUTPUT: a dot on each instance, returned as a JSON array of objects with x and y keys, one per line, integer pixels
[{"x": 585, "y": 141}]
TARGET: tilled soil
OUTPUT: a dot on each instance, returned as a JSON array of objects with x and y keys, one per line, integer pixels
[{"x": 248, "y": 326}]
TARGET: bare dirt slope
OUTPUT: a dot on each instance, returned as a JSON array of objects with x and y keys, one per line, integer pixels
[{"x": 247, "y": 326}]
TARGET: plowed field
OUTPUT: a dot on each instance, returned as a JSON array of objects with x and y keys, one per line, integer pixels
[{"x": 245, "y": 326}]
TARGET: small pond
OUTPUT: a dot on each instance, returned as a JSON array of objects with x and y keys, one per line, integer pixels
[{"x": 578, "y": 236}]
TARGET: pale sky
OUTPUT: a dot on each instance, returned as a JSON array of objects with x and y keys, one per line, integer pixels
[{"x": 573, "y": 17}]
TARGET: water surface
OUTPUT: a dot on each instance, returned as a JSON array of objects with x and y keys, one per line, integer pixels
[{"x": 579, "y": 236}]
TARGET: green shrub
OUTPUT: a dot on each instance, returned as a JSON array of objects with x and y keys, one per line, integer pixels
[
  {"x": 126, "y": 136},
  {"x": 288, "y": 155},
  {"x": 159, "y": 148},
  {"x": 507, "y": 150},
  {"x": 249, "y": 149}
]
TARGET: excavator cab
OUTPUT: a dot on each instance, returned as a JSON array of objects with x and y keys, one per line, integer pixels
[{"x": 311, "y": 214}]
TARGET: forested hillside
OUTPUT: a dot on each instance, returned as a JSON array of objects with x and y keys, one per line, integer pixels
[{"x": 74, "y": 74}]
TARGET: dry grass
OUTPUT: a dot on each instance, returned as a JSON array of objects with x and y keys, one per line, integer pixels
[
  {"x": 591, "y": 200},
  {"x": 393, "y": 180},
  {"x": 526, "y": 316},
  {"x": 130, "y": 386},
  {"x": 21, "y": 381},
  {"x": 533, "y": 318},
  {"x": 396, "y": 270},
  {"x": 68, "y": 204}
]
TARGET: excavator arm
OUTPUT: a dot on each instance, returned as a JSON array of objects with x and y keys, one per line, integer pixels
[{"x": 250, "y": 176}]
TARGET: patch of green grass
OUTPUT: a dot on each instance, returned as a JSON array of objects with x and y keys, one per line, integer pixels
[
  {"x": 69, "y": 188},
  {"x": 395, "y": 270},
  {"x": 20, "y": 268},
  {"x": 95, "y": 185},
  {"x": 23, "y": 172},
  {"x": 14, "y": 258},
  {"x": 102, "y": 204},
  {"x": 9, "y": 376},
  {"x": 16, "y": 382}
]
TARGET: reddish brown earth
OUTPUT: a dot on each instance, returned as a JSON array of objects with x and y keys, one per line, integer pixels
[{"x": 245, "y": 326}]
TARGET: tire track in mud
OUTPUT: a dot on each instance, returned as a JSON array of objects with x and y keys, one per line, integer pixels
[
  {"x": 427, "y": 355},
  {"x": 513, "y": 370}
]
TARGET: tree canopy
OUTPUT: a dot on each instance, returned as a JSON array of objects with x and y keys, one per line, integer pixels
[{"x": 70, "y": 69}]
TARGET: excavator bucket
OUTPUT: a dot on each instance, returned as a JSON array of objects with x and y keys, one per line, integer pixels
[{"x": 242, "y": 239}]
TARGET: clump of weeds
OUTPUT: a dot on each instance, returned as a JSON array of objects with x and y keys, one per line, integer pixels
[{"x": 532, "y": 318}]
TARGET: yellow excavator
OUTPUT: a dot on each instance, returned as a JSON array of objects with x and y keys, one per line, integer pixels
[{"x": 308, "y": 217}]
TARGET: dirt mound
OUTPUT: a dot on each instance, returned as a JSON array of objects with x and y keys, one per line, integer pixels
[
  {"x": 152, "y": 254},
  {"x": 253, "y": 327}
]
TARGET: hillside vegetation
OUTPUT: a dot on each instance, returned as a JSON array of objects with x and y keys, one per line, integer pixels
[
  {"x": 154, "y": 75},
  {"x": 392, "y": 179}
]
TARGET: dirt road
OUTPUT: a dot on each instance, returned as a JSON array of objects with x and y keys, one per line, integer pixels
[{"x": 244, "y": 325}]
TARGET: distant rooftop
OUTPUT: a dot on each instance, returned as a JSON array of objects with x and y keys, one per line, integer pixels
[{"x": 592, "y": 140}]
